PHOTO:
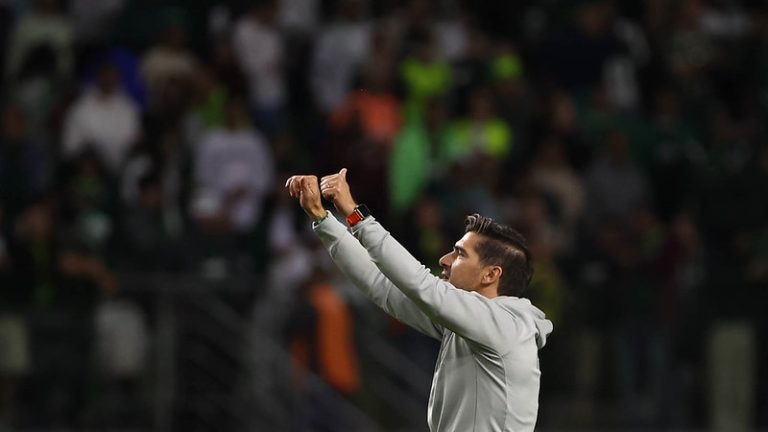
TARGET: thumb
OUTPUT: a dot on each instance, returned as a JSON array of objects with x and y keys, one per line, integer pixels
[{"x": 343, "y": 174}]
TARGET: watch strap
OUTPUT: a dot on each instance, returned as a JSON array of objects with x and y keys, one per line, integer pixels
[{"x": 358, "y": 214}]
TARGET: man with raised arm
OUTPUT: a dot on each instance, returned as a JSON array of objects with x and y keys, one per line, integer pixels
[{"x": 487, "y": 374}]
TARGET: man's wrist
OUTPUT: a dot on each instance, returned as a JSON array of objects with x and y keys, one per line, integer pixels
[
  {"x": 346, "y": 208},
  {"x": 318, "y": 215}
]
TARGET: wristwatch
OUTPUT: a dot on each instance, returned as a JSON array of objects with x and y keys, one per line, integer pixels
[{"x": 359, "y": 213}]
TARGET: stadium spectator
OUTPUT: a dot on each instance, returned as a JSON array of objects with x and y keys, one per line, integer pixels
[
  {"x": 481, "y": 134},
  {"x": 104, "y": 117},
  {"x": 45, "y": 24},
  {"x": 25, "y": 166},
  {"x": 423, "y": 72},
  {"x": 615, "y": 187},
  {"x": 233, "y": 173},
  {"x": 167, "y": 69},
  {"x": 261, "y": 54},
  {"x": 416, "y": 158},
  {"x": 342, "y": 47},
  {"x": 551, "y": 173},
  {"x": 374, "y": 108}
]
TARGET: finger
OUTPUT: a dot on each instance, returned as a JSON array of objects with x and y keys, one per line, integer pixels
[
  {"x": 343, "y": 174},
  {"x": 298, "y": 185},
  {"x": 329, "y": 183},
  {"x": 308, "y": 187},
  {"x": 290, "y": 187},
  {"x": 329, "y": 178},
  {"x": 294, "y": 186},
  {"x": 288, "y": 181}
]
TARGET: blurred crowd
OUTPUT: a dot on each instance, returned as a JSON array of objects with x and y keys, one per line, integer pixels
[{"x": 625, "y": 139}]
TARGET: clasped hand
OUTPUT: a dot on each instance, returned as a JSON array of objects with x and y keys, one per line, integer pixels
[{"x": 334, "y": 188}]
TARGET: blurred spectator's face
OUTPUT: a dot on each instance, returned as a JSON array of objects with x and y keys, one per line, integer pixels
[
  {"x": 203, "y": 83},
  {"x": 510, "y": 89},
  {"x": 760, "y": 24},
  {"x": 563, "y": 112},
  {"x": 600, "y": 97},
  {"x": 763, "y": 158},
  {"x": 477, "y": 45},
  {"x": 618, "y": 147},
  {"x": 690, "y": 14},
  {"x": 13, "y": 125},
  {"x": 48, "y": 6},
  {"x": 223, "y": 51},
  {"x": 109, "y": 79},
  {"x": 169, "y": 143},
  {"x": 379, "y": 75},
  {"x": 534, "y": 211},
  {"x": 482, "y": 105},
  {"x": 657, "y": 12},
  {"x": 435, "y": 114},
  {"x": 176, "y": 37},
  {"x": 721, "y": 128},
  {"x": 350, "y": 10},
  {"x": 684, "y": 229},
  {"x": 420, "y": 11},
  {"x": 37, "y": 222},
  {"x": 552, "y": 152},
  {"x": 236, "y": 114},
  {"x": 267, "y": 12},
  {"x": 594, "y": 18},
  {"x": 667, "y": 105},
  {"x": 428, "y": 214},
  {"x": 643, "y": 221},
  {"x": 426, "y": 50},
  {"x": 151, "y": 196}
]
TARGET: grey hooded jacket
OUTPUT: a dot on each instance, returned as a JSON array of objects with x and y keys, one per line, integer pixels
[{"x": 487, "y": 374}]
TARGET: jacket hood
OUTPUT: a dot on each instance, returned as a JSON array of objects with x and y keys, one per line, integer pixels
[
  {"x": 543, "y": 326},
  {"x": 529, "y": 312}
]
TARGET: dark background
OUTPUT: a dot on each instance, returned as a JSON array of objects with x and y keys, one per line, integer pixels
[{"x": 154, "y": 275}]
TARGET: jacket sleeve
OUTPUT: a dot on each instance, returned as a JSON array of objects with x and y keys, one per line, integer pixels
[
  {"x": 468, "y": 314},
  {"x": 353, "y": 260}
]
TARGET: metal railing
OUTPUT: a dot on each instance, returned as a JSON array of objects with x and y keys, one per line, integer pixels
[{"x": 212, "y": 365}]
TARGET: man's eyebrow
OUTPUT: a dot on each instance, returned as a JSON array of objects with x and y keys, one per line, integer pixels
[{"x": 460, "y": 249}]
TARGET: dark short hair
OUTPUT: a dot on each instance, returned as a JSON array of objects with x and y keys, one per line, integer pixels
[{"x": 505, "y": 247}]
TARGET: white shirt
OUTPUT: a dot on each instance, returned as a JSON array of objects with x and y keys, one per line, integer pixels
[
  {"x": 340, "y": 50},
  {"x": 229, "y": 160},
  {"x": 108, "y": 122},
  {"x": 299, "y": 15},
  {"x": 34, "y": 29},
  {"x": 260, "y": 52}
]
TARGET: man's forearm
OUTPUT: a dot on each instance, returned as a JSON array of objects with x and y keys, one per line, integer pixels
[{"x": 353, "y": 260}]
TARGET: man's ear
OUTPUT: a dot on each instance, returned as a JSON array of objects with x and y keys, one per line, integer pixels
[{"x": 491, "y": 274}]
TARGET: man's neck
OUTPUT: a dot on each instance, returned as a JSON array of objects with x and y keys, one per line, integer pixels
[{"x": 490, "y": 292}]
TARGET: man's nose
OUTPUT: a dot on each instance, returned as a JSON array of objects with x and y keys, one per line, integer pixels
[{"x": 445, "y": 260}]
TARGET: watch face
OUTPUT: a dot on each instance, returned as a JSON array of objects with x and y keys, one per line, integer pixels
[{"x": 363, "y": 210}]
